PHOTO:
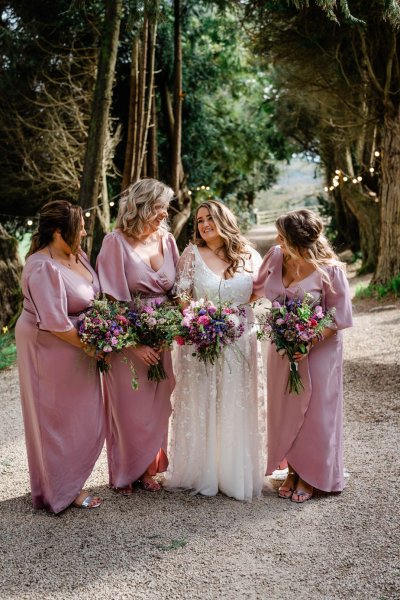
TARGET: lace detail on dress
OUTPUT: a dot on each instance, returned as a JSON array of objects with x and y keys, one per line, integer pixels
[
  {"x": 185, "y": 273},
  {"x": 217, "y": 431}
]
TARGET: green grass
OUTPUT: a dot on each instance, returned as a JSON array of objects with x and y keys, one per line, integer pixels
[
  {"x": 380, "y": 290},
  {"x": 8, "y": 351}
]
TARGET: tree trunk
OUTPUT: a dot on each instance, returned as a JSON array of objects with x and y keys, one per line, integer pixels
[
  {"x": 366, "y": 211},
  {"x": 177, "y": 133},
  {"x": 389, "y": 245},
  {"x": 152, "y": 155},
  {"x": 10, "y": 275},
  {"x": 91, "y": 177},
  {"x": 133, "y": 98}
]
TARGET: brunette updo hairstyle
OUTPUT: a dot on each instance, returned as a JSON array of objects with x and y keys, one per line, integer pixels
[
  {"x": 303, "y": 232},
  {"x": 58, "y": 215}
]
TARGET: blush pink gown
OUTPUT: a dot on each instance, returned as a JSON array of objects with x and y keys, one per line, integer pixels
[
  {"x": 137, "y": 421},
  {"x": 60, "y": 386},
  {"x": 307, "y": 429}
]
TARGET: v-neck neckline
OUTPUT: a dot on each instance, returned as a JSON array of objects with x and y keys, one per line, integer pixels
[
  {"x": 294, "y": 283},
  {"x": 141, "y": 259},
  {"x": 67, "y": 270},
  {"x": 207, "y": 267}
]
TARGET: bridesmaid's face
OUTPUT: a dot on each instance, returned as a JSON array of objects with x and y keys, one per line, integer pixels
[
  {"x": 160, "y": 214},
  {"x": 282, "y": 243},
  {"x": 206, "y": 226}
]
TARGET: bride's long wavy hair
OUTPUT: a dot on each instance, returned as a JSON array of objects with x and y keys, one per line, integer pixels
[
  {"x": 235, "y": 247},
  {"x": 303, "y": 232}
]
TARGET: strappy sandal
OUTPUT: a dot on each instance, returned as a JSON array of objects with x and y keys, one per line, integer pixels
[
  {"x": 150, "y": 486},
  {"x": 89, "y": 502},
  {"x": 301, "y": 496},
  {"x": 285, "y": 491}
]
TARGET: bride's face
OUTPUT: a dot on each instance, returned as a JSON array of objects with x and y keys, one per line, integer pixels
[{"x": 206, "y": 226}]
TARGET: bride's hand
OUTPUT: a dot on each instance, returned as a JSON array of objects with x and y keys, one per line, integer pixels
[{"x": 146, "y": 354}]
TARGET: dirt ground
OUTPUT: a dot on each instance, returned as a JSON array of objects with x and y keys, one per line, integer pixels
[{"x": 176, "y": 546}]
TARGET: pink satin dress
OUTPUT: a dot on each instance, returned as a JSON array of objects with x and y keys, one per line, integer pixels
[
  {"x": 137, "y": 421},
  {"x": 307, "y": 429},
  {"x": 60, "y": 386}
]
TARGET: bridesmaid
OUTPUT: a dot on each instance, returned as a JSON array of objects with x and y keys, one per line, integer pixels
[
  {"x": 138, "y": 258},
  {"x": 60, "y": 388},
  {"x": 307, "y": 429}
]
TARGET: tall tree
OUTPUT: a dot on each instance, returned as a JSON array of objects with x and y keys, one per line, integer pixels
[
  {"x": 368, "y": 59},
  {"x": 99, "y": 122}
]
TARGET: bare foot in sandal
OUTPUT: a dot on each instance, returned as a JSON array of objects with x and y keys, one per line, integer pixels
[
  {"x": 289, "y": 485},
  {"x": 85, "y": 500}
]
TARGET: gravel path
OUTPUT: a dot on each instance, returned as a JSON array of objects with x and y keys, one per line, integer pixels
[{"x": 167, "y": 545}]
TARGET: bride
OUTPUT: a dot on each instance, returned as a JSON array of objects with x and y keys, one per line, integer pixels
[{"x": 217, "y": 427}]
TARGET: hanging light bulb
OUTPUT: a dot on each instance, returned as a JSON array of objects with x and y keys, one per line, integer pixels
[
  {"x": 203, "y": 187},
  {"x": 87, "y": 214},
  {"x": 207, "y": 188},
  {"x": 337, "y": 171},
  {"x": 355, "y": 180},
  {"x": 372, "y": 170},
  {"x": 30, "y": 223},
  {"x": 377, "y": 153},
  {"x": 326, "y": 189},
  {"x": 112, "y": 203},
  {"x": 331, "y": 188},
  {"x": 345, "y": 178},
  {"x": 336, "y": 178},
  {"x": 359, "y": 178},
  {"x": 335, "y": 183},
  {"x": 190, "y": 192}
]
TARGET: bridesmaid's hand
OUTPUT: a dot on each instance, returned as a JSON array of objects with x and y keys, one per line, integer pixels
[{"x": 147, "y": 354}]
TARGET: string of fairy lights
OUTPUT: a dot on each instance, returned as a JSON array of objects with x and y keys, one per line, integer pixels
[
  {"x": 339, "y": 177},
  {"x": 342, "y": 176},
  {"x": 30, "y": 221}
]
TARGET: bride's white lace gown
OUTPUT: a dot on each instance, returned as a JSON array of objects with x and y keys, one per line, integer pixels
[{"x": 217, "y": 428}]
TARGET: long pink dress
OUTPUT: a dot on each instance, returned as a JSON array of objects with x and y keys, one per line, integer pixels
[
  {"x": 307, "y": 429},
  {"x": 60, "y": 386},
  {"x": 137, "y": 421}
]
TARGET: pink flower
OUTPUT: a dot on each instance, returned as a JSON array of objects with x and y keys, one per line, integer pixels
[
  {"x": 107, "y": 349},
  {"x": 280, "y": 321},
  {"x": 122, "y": 319},
  {"x": 319, "y": 312},
  {"x": 212, "y": 310},
  {"x": 204, "y": 320},
  {"x": 227, "y": 311},
  {"x": 313, "y": 322},
  {"x": 148, "y": 309},
  {"x": 114, "y": 341},
  {"x": 179, "y": 340},
  {"x": 276, "y": 304}
]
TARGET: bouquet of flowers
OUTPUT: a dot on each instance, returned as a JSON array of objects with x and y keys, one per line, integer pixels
[
  {"x": 105, "y": 328},
  {"x": 209, "y": 328},
  {"x": 155, "y": 324},
  {"x": 291, "y": 326}
]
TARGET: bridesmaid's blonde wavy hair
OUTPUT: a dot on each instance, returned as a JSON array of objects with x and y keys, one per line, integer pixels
[
  {"x": 138, "y": 205},
  {"x": 303, "y": 232},
  {"x": 235, "y": 248}
]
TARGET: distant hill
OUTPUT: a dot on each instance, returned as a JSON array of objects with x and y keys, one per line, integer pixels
[{"x": 299, "y": 184}]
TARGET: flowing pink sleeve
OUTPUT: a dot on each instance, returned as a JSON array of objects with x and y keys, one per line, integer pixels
[
  {"x": 174, "y": 249},
  {"x": 110, "y": 268},
  {"x": 49, "y": 298},
  {"x": 259, "y": 282},
  {"x": 337, "y": 295}
]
